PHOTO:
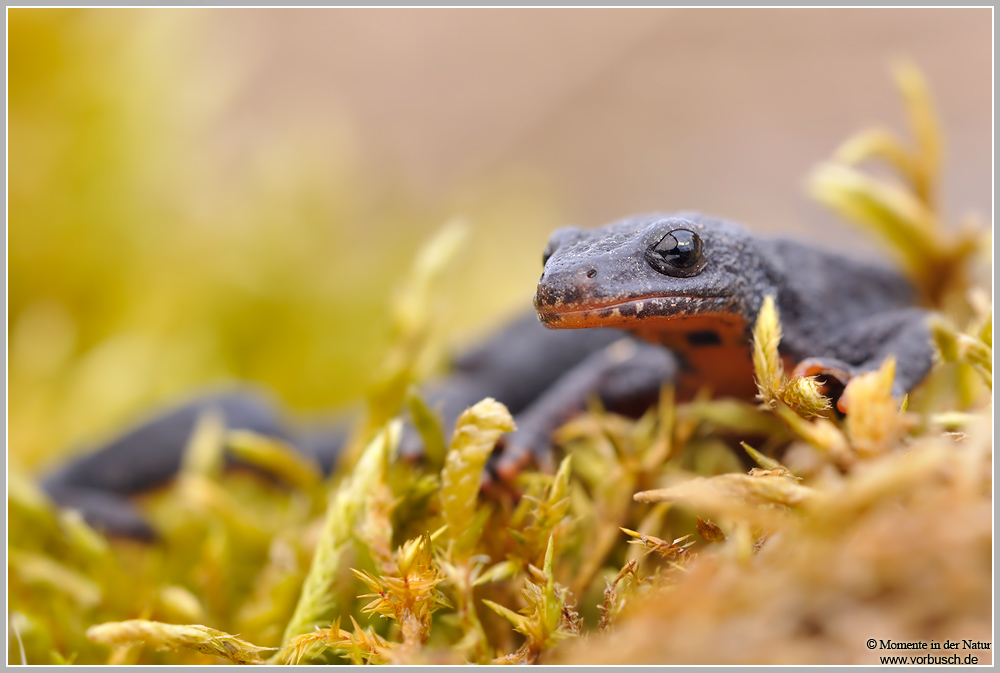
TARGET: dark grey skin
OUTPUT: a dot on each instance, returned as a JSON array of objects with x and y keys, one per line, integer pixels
[
  {"x": 839, "y": 316},
  {"x": 515, "y": 366},
  {"x": 699, "y": 298}
]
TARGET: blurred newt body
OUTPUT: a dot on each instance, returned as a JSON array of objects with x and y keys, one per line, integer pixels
[{"x": 631, "y": 306}]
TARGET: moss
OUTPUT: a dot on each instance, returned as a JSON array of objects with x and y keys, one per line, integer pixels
[{"x": 875, "y": 524}]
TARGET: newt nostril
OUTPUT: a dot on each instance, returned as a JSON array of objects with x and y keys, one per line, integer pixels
[{"x": 591, "y": 273}]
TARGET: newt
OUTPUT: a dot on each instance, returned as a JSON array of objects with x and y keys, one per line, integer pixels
[
  {"x": 692, "y": 285},
  {"x": 619, "y": 311}
]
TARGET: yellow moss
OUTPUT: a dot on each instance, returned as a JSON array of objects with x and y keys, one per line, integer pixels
[
  {"x": 173, "y": 636},
  {"x": 874, "y": 423},
  {"x": 319, "y": 601},
  {"x": 476, "y": 433},
  {"x": 277, "y": 458},
  {"x": 774, "y": 389}
]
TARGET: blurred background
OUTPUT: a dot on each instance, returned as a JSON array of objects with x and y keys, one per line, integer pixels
[{"x": 196, "y": 195}]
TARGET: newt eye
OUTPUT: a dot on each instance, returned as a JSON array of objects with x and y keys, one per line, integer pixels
[{"x": 678, "y": 253}]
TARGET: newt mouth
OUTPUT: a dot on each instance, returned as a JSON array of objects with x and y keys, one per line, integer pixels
[{"x": 619, "y": 313}]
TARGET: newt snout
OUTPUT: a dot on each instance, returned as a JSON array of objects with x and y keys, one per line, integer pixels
[{"x": 562, "y": 288}]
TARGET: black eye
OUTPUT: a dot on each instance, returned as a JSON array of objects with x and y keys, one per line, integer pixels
[{"x": 679, "y": 253}]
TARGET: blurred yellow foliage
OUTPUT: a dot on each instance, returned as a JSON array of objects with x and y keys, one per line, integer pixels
[
  {"x": 144, "y": 260},
  {"x": 154, "y": 248}
]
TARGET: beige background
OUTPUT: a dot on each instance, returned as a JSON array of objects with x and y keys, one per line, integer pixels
[{"x": 622, "y": 111}]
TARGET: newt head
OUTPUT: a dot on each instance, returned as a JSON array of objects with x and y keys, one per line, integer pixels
[{"x": 640, "y": 272}]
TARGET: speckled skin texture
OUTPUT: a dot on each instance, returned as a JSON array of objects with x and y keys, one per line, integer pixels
[
  {"x": 836, "y": 313},
  {"x": 596, "y": 270},
  {"x": 839, "y": 317}
]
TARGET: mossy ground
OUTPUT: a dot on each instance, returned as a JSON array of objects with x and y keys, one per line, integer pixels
[{"x": 878, "y": 525}]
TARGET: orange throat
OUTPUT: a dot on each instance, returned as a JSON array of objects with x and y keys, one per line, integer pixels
[{"x": 714, "y": 352}]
